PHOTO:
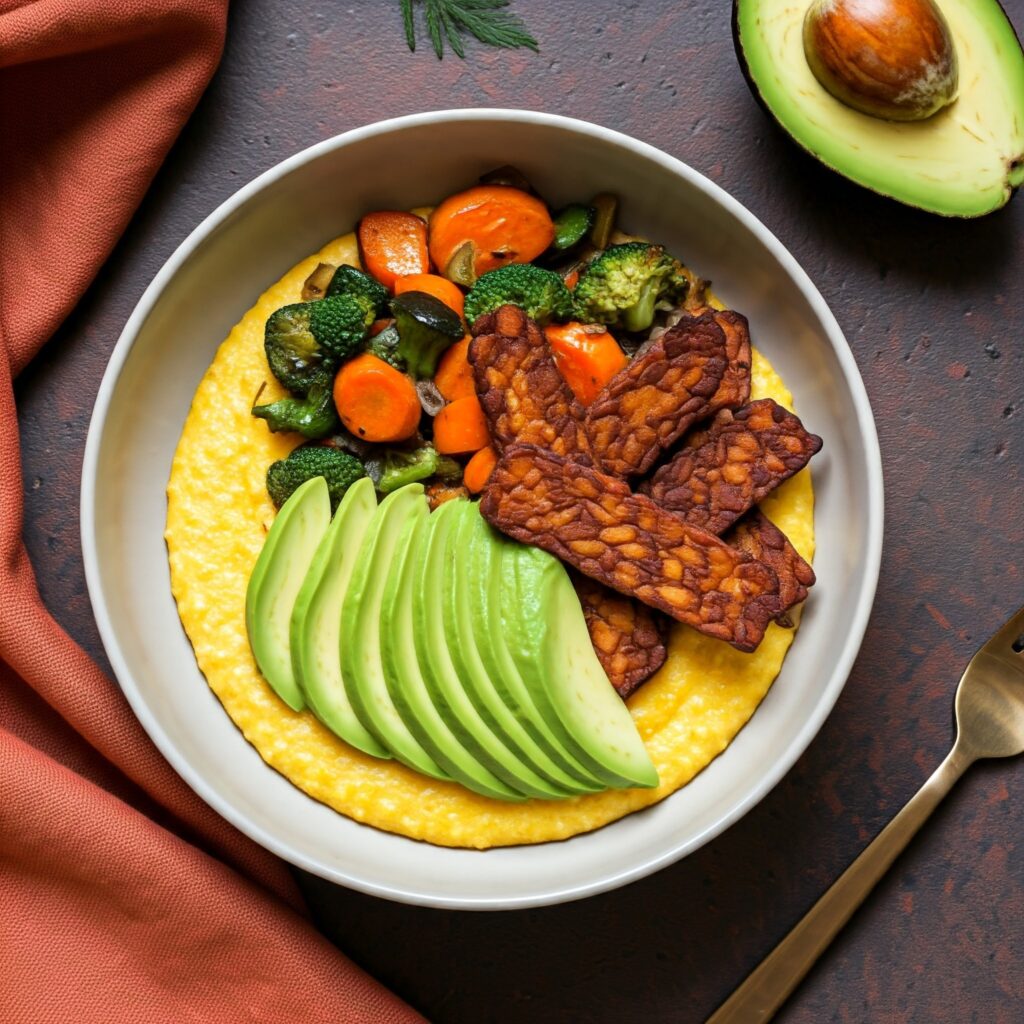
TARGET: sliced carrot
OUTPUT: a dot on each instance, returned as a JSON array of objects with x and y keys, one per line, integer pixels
[
  {"x": 504, "y": 225},
  {"x": 479, "y": 469},
  {"x": 375, "y": 401},
  {"x": 454, "y": 376},
  {"x": 572, "y": 278},
  {"x": 433, "y": 284},
  {"x": 586, "y": 355},
  {"x": 393, "y": 244},
  {"x": 380, "y": 325},
  {"x": 461, "y": 427}
]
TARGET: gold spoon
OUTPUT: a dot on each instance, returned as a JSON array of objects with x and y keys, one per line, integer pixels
[{"x": 989, "y": 723}]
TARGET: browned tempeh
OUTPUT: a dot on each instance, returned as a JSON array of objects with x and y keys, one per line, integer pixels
[
  {"x": 734, "y": 390},
  {"x": 628, "y": 637},
  {"x": 626, "y": 541},
  {"x": 522, "y": 393},
  {"x": 756, "y": 534},
  {"x": 725, "y": 470},
  {"x": 655, "y": 399}
]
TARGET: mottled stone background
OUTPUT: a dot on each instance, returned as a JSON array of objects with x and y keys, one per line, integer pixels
[{"x": 934, "y": 312}]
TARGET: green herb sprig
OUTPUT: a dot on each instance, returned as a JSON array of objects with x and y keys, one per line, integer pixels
[{"x": 452, "y": 20}]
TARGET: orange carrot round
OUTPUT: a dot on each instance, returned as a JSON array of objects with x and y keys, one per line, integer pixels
[
  {"x": 454, "y": 376},
  {"x": 393, "y": 244},
  {"x": 504, "y": 225},
  {"x": 433, "y": 284},
  {"x": 461, "y": 427},
  {"x": 479, "y": 469},
  {"x": 586, "y": 355},
  {"x": 380, "y": 325},
  {"x": 375, "y": 401}
]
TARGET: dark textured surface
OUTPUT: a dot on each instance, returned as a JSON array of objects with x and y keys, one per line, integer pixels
[{"x": 934, "y": 312}]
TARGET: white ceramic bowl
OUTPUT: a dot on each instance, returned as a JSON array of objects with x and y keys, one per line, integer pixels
[{"x": 289, "y": 212}]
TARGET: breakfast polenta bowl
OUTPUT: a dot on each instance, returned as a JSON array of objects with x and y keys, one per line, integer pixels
[{"x": 517, "y": 526}]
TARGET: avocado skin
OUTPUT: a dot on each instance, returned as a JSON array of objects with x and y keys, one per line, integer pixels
[{"x": 752, "y": 83}]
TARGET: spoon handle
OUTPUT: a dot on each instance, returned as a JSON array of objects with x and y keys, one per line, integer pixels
[{"x": 770, "y": 984}]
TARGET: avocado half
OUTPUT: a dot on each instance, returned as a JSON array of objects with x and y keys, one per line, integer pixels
[{"x": 964, "y": 161}]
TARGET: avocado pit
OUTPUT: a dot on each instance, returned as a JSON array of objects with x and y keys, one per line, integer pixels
[{"x": 892, "y": 59}]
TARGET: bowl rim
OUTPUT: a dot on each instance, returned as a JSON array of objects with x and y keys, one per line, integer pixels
[{"x": 870, "y": 557}]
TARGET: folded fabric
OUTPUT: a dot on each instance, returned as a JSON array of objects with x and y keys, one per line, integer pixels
[{"x": 122, "y": 895}]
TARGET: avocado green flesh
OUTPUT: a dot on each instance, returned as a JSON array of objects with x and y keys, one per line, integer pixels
[
  {"x": 548, "y": 637},
  {"x": 963, "y": 161},
  {"x": 276, "y": 580},
  {"x": 435, "y": 569},
  {"x": 316, "y": 620},
  {"x": 481, "y": 686},
  {"x": 361, "y": 667},
  {"x": 482, "y": 592},
  {"x": 405, "y": 681}
]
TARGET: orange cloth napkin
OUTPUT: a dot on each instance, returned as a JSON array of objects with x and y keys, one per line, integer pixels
[{"x": 122, "y": 895}]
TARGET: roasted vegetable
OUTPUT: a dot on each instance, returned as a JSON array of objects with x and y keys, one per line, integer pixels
[
  {"x": 375, "y": 401},
  {"x": 338, "y": 468},
  {"x": 606, "y": 207},
  {"x": 392, "y": 244},
  {"x": 306, "y": 338},
  {"x": 502, "y": 226},
  {"x": 571, "y": 226},
  {"x": 348, "y": 280},
  {"x": 315, "y": 286},
  {"x": 385, "y": 346},
  {"x": 541, "y": 294},
  {"x": 399, "y": 468},
  {"x": 313, "y": 416},
  {"x": 426, "y": 327},
  {"x": 626, "y": 283}
]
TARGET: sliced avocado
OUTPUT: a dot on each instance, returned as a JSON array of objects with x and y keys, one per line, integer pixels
[
  {"x": 316, "y": 620},
  {"x": 405, "y": 681},
  {"x": 276, "y": 580},
  {"x": 963, "y": 161},
  {"x": 435, "y": 572},
  {"x": 478, "y": 591},
  {"x": 361, "y": 667},
  {"x": 549, "y": 639}
]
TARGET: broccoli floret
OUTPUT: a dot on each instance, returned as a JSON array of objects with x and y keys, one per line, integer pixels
[
  {"x": 541, "y": 294},
  {"x": 385, "y": 346},
  {"x": 625, "y": 284},
  {"x": 313, "y": 416},
  {"x": 338, "y": 468},
  {"x": 352, "y": 281},
  {"x": 426, "y": 327},
  {"x": 341, "y": 322},
  {"x": 399, "y": 468},
  {"x": 306, "y": 339}
]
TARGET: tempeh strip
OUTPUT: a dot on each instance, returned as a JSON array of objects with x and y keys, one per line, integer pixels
[
  {"x": 756, "y": 534},
  {"x": 596, "y": 524},
  {"x": 725, "y": 470},
  {"x": 522, "y": 393},
  {"x": 654, "y": 400},
  {"x": 734, "y": 390},
  {"x": 628, "y": 637}
]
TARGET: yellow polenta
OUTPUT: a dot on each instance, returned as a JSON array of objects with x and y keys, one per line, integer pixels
[{"x": 217, "y": 516}]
